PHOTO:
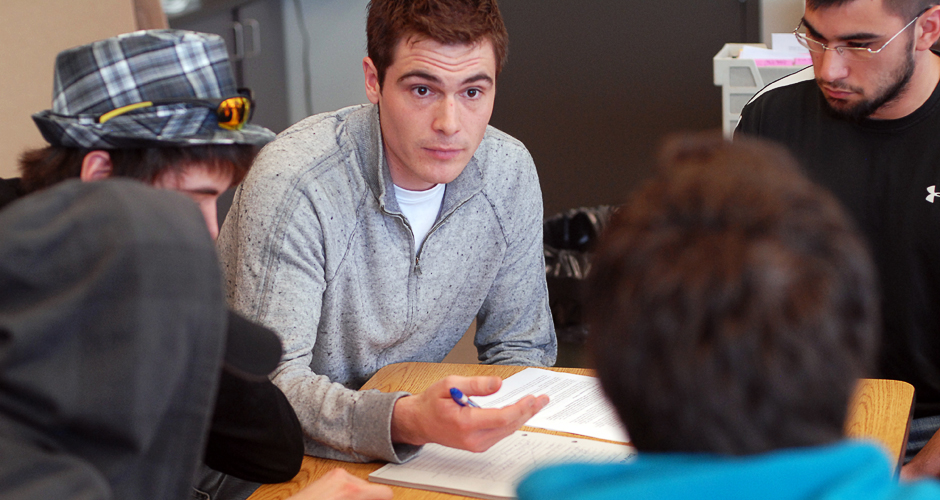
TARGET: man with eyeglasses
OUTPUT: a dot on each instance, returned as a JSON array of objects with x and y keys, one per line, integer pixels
[{"x": 864, "y": 121}]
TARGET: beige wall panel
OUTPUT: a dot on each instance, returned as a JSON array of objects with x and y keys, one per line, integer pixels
[
  {"x": 32, "y": 32},
  {"x": 779, "y": 16}
]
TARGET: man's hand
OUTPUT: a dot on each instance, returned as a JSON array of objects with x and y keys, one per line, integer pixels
[
  {"x": 341, "y": 485},
  {"x": 433, "y": 417},
  {"x": 927, "y": 461}
]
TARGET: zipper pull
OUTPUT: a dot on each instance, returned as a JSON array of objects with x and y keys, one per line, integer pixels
[{"x": 418, "y": 266}]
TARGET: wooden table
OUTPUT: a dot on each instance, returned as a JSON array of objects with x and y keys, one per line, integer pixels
[{"x": 881, "y": 410}]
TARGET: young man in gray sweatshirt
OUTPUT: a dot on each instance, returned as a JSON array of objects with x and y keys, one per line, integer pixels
[{"x": 376, "y": 234}]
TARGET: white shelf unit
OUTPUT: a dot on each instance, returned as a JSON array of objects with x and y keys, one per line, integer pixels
[{"x": 740, "y": 79}]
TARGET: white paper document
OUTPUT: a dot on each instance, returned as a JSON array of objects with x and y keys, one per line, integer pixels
[
  {"x": 786, "y": 42},
  {"x": 576, "y": 403},
  {"x": 495, "y": 473}
]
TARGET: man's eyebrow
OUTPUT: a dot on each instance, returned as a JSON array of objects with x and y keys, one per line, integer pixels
[
  {"x": 479, "y": 77},
  {"x": 851, "y": 36},
  {"x": 811, "y": 30},
  {"x": 419, "y": 74},
  {"x": 205, "y": 190}
]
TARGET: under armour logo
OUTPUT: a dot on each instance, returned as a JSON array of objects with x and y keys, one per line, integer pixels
[{"x": 933, "y": 193}]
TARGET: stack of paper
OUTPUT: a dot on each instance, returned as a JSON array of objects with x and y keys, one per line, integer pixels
[
  {"x": 495, "y": 473},
  {"x": 787, "y": 51},
  {"x": 767, "y": 57},
  {"x": 576, "y": 403}
]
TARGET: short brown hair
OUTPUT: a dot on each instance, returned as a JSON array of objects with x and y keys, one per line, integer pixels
[
  {"x": 43, "y": 167},
  {"x": 444, "y": 21},
  {"x": 731, "y": 305},
  {"x": 905, "y": 9}
]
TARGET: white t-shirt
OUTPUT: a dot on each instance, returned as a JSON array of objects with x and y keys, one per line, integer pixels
[{"x": 421, "y": 209}]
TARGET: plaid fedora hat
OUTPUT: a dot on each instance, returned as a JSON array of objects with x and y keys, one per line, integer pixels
[{"x": 156, "y": 66}]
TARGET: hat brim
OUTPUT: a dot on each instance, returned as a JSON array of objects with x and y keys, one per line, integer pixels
[{"x": 158, "y": 129}]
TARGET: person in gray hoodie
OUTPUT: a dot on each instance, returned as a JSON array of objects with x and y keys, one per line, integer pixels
[
  {"x": 113, "y": 335},
  {"x": 376, "y": 234}
]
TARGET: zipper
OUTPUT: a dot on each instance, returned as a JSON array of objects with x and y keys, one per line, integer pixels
[
  {"x": 431, "y": 231},
  {"x": 417, "y": 268},
  {"x": 404, "y": 221}
]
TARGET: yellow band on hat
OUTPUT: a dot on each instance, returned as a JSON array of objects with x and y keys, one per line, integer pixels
[{"x": 123, "y": 109}]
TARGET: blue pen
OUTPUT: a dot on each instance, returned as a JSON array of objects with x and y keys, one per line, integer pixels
[{"x": 461, "y": 399}]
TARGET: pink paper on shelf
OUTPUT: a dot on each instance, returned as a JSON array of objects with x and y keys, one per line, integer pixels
[
  {"x": 764, "y": 57},
  {"x": 773, "y": 62}
]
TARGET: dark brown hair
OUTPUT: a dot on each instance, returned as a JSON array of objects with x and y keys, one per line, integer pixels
[
  {"x": 43, "y": 167},
  {"x": 905, "y": 9},
  {"x": 731, "y": 304},
  {"x": 444, "y": 21}
]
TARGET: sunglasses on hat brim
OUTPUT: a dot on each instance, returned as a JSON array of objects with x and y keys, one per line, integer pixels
[{"x": 232, "y": 112}]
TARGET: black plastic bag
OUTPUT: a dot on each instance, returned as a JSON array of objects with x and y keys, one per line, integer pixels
[{"x": 569, "y": 240}]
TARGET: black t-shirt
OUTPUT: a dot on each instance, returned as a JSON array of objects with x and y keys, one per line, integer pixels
[{"x": 883, "y": 172}]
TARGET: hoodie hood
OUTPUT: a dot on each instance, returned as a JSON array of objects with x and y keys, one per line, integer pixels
[{"x": 111, "y": 332}]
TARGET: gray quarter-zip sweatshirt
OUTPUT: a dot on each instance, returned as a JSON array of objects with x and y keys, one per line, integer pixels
[{"x": 315, "y": 247}]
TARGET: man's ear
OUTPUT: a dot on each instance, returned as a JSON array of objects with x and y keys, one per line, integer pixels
[
  {"x": 96, "y": 166},
  {"x": 373, "y": 86},
  {"x": 930, "y": 29}
]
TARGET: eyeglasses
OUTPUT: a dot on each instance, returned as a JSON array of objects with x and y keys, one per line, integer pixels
[
  {"x": 232, "y": 112},
  {"x": 849, "y": 52}
]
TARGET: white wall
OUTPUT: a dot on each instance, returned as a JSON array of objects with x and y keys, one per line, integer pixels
[
  {"x": 779, "y": 16},
  {"x": 337, "y": 31}
]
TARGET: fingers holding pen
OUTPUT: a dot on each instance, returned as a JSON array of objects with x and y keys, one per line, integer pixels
[{"x": 434, "y": 416}]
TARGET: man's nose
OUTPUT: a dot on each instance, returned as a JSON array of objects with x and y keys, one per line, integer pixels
[
  {"x": 212, "y": 222},
  {"x": 447, "y": 120},
  {"x": 831, "y": 66}
]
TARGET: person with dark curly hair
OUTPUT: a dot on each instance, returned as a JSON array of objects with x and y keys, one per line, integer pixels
[{"x": 732, "y": 309}]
